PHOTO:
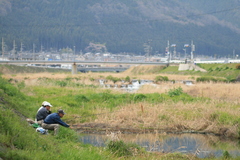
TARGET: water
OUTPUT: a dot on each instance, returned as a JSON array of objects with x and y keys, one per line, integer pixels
[{"x": 200, "y": 145}]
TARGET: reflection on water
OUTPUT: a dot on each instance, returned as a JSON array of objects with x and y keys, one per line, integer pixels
[{"x": 200, "y": 145}]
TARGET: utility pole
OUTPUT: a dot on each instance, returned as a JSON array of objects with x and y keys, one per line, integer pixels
[
  {"x": 168, "y": 52},
  {"x": 74, "y": 53},
  {"x": 34, "y": 57},
  {"x": 147, "y": 49},
  {"x": 192, "y": 50},
  {"x": 21, "y": 51},
  {"x": 67, "y": 54},
  {"x": 41, "y": 49},
  {"x": 174, "y": 50},
  {"x": 2, "y": 48},
  {"x": 14, "y": 50}
]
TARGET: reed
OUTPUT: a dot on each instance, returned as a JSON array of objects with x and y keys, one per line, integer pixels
[{"x": 198, "y": 116}]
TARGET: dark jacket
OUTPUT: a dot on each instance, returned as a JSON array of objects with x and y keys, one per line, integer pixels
[
  {"x": 54, "y": 118},
  {"x": 42, "y": 114}
]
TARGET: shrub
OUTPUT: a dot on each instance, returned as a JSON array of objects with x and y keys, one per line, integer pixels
[
  {"x": 81, "y": 98},
  {"x": 139, "y": 97},
  {"x": 210, "y": 70},
  {"x": 127, "y": 79},
  {"x": 21, "y": 85},
  {"x": 175, "y": 92},
  {"x": 210, "y": 79},
  {"x": 121, "y": 149},
  {"x": 161, "y": 78},
  {"x": 111, "y": 78},
  {"x": 92, "y": 79},
  {"x": 61, "y": 83},
  {"x": 68, "y": 79},
  {"x": 66, "y": 135},
  {"x": 8, "y": 88},
  {"x": 218, "y": 69},
  {"x": 226, "y": 155}
]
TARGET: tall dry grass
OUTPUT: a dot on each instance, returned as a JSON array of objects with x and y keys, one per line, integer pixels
[
  {"x": 220, "y": 91},
  {"x": 196, "y": 116}
]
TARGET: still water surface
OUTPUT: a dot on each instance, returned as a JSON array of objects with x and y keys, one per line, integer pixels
[{"x": 200, "y": 145}]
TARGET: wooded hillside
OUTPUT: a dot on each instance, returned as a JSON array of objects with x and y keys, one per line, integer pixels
[{"x": 124, "y": 26}]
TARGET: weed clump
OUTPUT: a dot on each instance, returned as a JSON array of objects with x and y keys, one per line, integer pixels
[
  {"x": 139, "y": 97},
  {"x": 211, "y": 79},
  {"x": 121, "y": 149},
  {"x": 161, "y": 78},
  {"x": 81, "y": 98},
  {"x": 127, "y": 79},
  {"x": 111, "y": 78},
  {"x": 61, "y": 83},
  {"x": 175, "y": 92}
]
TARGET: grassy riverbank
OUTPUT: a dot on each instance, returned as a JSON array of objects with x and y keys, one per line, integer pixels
[
  {"x": 204, "y": 107},
  {"x": 18, "y": 140}
]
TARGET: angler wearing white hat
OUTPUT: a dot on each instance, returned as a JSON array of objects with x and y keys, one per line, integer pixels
[{"x": 43, "y": 112}]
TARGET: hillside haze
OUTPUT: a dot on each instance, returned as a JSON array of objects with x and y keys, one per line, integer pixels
[{"x": 124, "y": 26}]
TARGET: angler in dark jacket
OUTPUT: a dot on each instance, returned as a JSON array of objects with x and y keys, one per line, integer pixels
[{"x": 53, "y": 121}]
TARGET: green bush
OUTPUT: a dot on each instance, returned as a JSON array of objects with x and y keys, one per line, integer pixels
[
  {"x": 8, "y": 88},
  {"x": 121, "y": 149},
  {"x": 114, "y": 79},
  {"x": 139, "y": 97},
  {"x": 226, "y": 155},
  {"x": 81, "y": 98},
  {"x": 210, "y": 70},
  {"x": 21, "y": 85},
  {"x": 127, "y": 79},
  {"x": 92, "y": 79},
  {"x": 61, "y": 83},
  {"x": 68, "y": 79},
  {"x": 175, "y": 92},
  {"x": 161, "y": 78},
  {"x": 226, "y": 68},
  {"x": 66, "y": 134},
  {"x": 210, "y": 79}
]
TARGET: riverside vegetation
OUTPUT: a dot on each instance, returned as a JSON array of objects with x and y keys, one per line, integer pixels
[{"x": 170, "y": 106}]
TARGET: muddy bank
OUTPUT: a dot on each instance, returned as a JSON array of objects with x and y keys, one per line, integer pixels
[{"x": 103, "y": 128}]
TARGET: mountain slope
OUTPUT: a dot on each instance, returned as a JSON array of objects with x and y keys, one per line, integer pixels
[{"x": 124, "y": 26}]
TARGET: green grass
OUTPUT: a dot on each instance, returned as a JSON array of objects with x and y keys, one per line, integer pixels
[
  {"x": 20, "y": 141},
  {"x": 122, "y": 149},
  {"x": 85, "y": 101},
  {"x": 228, "y": 71}
]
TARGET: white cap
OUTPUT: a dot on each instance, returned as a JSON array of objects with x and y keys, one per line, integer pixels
[
  {"x": 47, "y": 104},
  {"x": 43, "y": 103}
]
